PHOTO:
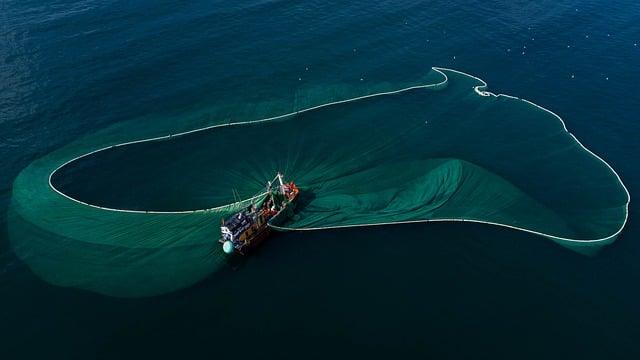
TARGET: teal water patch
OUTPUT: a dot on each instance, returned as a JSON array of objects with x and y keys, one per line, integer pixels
[{"x": 128, "y": 217}]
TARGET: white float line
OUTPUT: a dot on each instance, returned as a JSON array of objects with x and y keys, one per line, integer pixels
[
  {"x": 559, "y": 238},
  {"x": 166, "y": 137},
  {"x": 479, "y": 89},
  {"x": 248, "y": 200}
]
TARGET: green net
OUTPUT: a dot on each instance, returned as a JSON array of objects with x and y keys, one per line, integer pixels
[{"x": 389, "y": 156}]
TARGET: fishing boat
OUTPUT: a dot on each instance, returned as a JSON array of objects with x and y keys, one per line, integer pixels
[{"x": 247, "y": 228}]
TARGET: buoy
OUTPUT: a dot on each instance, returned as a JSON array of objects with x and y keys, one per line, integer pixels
[{"x": 227, "y": 247}]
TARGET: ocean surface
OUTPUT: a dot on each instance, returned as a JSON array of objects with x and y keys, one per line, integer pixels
[{"x": 443, "y": 290}]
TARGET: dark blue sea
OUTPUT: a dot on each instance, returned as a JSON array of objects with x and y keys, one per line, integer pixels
[{"x": 445, "y": 290}]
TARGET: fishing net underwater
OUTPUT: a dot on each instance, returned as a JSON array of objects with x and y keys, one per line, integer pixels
[{"x": 124, "y": 216}]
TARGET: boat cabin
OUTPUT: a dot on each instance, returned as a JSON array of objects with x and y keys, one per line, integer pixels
[{"x": 250, "y": 226}]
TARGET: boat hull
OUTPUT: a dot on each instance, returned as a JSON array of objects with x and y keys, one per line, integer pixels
[{"x": 264, "y": 230}]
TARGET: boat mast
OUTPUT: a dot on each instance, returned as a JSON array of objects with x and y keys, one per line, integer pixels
[
  {"x": 279, "y": 176},
  {"x": 270, "y": 192}
]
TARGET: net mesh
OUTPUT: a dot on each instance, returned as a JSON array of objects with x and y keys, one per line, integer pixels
[{"x": 413, "y": 155}]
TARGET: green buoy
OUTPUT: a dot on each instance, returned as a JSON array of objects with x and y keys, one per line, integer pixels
[{"x": 227, "y": 247}]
